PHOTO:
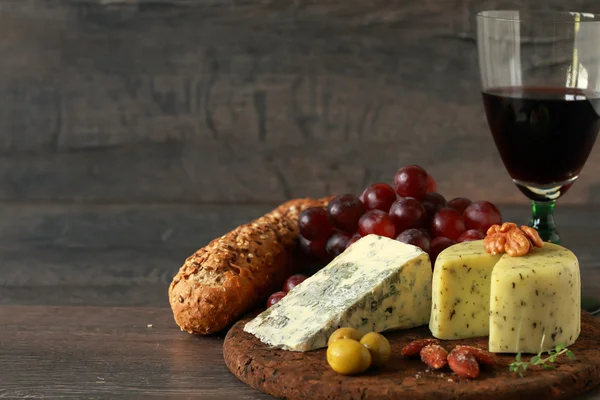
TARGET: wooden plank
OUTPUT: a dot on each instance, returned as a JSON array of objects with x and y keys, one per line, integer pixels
[
  {"x": 98, "y": 352},
  {"x": 252, "y": 101},
  {"x": 116, "y": 278},
  {"x": 109, "y": 353},
  {"x": 119, "y": 227},
  {"x": 93, "y": 267},
  {"x": 184, "y": 228},
  {"x": 129, "y": 294},
  {"x": 127, "y": 255},
  {"x": 193, "y": 172}
]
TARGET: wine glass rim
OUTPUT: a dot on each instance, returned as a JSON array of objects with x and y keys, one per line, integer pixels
[{"x": 566, "y": 17}]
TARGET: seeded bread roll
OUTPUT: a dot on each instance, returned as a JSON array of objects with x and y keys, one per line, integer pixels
[{"x": 236, "y": 272}]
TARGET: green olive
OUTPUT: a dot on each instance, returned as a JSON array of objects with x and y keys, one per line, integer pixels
[
  {"x": 378, "y": 346},
  {"x": 344, "y": 333},
  {"x": 348, "y": 357}
]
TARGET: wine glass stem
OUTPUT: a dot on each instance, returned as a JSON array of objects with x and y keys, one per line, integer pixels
[{"x": 542, "y": 219}]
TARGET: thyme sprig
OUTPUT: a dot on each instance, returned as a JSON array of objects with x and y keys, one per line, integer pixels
[{"x": 520, "y": 366}]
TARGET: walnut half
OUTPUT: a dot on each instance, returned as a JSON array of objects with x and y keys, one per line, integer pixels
[{"x": 510, "y": 239}]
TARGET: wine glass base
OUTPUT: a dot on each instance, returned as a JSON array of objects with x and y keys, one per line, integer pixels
[
  {"x": 546, "y": 234},
  {"x": 542, "y": 220},
  {"x": 540, "y": 193}
]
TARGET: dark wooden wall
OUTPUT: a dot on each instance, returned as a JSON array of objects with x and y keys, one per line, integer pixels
[
  {"x": 238, "y": 101},
  {"x": 131, "y": 131}
]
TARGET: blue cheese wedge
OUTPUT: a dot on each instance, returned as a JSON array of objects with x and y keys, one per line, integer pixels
[{"x": 377, "y": 284}]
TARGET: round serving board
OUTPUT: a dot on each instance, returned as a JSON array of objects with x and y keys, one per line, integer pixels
[{"x": 295, "y": 375}]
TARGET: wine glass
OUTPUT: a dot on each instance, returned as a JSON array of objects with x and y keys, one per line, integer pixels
[{"x": 540, "y": 75}]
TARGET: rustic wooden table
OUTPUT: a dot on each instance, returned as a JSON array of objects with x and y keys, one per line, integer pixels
[
  {"x": 84, "y": 312},
  {"x": 118, "y": 117}
]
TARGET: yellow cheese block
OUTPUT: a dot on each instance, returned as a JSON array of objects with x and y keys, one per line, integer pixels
[
  {"x": 461, "y": 291},
  {"x": 525, "y": 304},
  {"x": 535, "y": 301}
]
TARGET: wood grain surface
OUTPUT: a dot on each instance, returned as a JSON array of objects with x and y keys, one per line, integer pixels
[
  {"x": 128, "y": 254},
  {"x": 103, "y": 353},
  {"x": 246, "y": 101},
  {"x": 307, "y": 376},
  {"x": 111, "y": 353},
  {"x": 132, "y": 132},
  {"x": 104, "y": 257}
]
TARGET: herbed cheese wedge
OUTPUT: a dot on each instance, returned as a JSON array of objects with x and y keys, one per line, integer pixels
[
  {"x": 535, "y": 301},
  {"x": 461, "y": 291},
  {"x": 525, "y": 304},
  {"x": 377, "y": 284}
]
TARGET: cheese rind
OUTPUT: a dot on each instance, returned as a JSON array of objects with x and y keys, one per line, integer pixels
[
  {"x": 377, "y": 284},
  {"x": 535, "y": 301},
  {"x": 461, "y": 291}
]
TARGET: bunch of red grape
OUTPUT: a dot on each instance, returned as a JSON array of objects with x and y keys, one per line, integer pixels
[
  {"x": 289, "y": 284},
  {"x": 412, "y": 212}
]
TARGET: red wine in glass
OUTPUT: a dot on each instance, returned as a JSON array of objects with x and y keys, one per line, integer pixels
[
  {"x": 540, "y": 79},
  {"x": 544, "y": 135},
  {"x": 541, "y": 93}
]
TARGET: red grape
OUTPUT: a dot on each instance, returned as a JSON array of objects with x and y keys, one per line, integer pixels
[
  {"x": 459, "y": 204},
  {"x": 411, "y": 181},
  {"x": 471, "y": 234},
  {"x": 433, "y": 202},
  {"x": 431, "y": 184},
  {"x": 336, "y": 244},
  {"x": 447, "y": 222},
  {"x": 313, "y": 224},
  {"x": 408, "y": 213},
  {"x": 345, "y": 211},
  {"x": 438, "y": 245},
  {"x": 426, "y": 232},
  {"x": 377, "y": 222},
  {"x": 378, "y": 196},
  {"x": 274, "y": 298},
  {"x": 481, "y": 215},
  {"x": 293, "y": 281},
  {"x": 416, "y": 237},
  {"x": 353, "y": 239},
  {"x": 315, "y": 249}
]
